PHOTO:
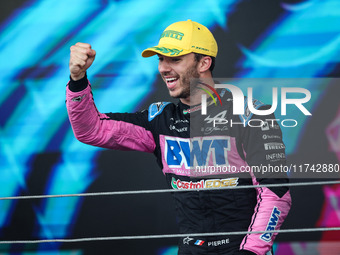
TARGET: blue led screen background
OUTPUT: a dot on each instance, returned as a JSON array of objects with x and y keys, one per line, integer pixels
[{"x": 39, "y": 154}]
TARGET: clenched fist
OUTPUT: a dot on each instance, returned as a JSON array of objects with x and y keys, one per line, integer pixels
[{"x": 81, "y": 58}]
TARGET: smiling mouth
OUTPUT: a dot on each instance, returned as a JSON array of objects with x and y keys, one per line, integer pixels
[{"x": 171, "y": 82}]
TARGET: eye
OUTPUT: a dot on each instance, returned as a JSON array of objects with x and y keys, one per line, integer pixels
[
  {"x": 160, "y": 59},
  {"x": 176, "y": 59}
]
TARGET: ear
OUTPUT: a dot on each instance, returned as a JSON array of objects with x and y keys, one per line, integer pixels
[{"x": 204, "y": 64}]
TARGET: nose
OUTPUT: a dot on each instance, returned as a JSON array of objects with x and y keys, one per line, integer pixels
[{"x": 164, "y": 66}]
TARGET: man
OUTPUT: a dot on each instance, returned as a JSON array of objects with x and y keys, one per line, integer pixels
[{"x": 187, "y": 52}]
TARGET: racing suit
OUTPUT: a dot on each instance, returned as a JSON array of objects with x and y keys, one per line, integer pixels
[{"x": 187, "y": 154}]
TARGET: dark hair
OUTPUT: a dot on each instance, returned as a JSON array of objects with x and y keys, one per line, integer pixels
[{"x": 199, "y": 56}]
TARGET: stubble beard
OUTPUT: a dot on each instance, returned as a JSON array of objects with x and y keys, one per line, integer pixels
[{"x": 189, "y": 82}]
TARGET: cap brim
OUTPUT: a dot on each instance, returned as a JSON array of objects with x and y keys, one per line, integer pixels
[{"x": 166, "y": 50}]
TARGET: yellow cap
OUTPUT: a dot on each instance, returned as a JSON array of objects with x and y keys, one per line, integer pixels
[{"x": 184, "y": 37}]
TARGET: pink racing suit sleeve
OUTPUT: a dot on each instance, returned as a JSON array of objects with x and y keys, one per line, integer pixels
[
  {"x": 264, "y": 149},
  {"x": 269, "y": 214},
  {"x": 97, "y": 129}
]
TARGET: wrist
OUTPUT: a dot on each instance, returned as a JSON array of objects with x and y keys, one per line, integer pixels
[
  {"x": 78, "y": 85},
  {"x": 77, "y": 77}
]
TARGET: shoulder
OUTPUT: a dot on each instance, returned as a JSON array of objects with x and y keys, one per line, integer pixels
[
  {"x": 246, "y": 108},
  {"x": 243, "y": 107},
  {"x": 248, "y": 114},
  {"x": 156, "y": 109}
]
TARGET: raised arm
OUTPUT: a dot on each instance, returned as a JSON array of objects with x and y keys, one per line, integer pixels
[{"x": 113, "y": 131}]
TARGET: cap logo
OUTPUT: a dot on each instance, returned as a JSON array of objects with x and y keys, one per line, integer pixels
[
  {"x": 167, "y": 50},
  {"x": 172, "y": 34},
  {"x": 199, "y": 48}
]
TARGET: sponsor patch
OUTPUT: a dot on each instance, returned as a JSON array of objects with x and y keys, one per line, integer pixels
[
  {"x": 156, "y": 109},
  {"x": 265, "y": 126},
  {"x": 274, "y": 146},
  {"x": 272, "y": 223},
  {"x": 206, "y": 184},
  {"x": 218, "y": 117},
  {"x": 275, "y": 156},
  {"x": 78, "y": 98},
  {"x": 187, "y": 240},
  {"x": 199, "y": 242},
  {"x": 265, "y": 137},
  {"x": 180, "y": 152}
]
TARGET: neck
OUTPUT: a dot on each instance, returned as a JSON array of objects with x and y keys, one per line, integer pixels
[{"x": 195, "y": 97}]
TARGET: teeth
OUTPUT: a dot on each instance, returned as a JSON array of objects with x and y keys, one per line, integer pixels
[{"x": 171, "y": 79}]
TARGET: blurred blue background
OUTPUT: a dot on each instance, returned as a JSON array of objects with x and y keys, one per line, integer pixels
[{"x": 39, "y": 154}]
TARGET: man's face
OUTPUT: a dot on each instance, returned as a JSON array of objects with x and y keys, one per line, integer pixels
[{"x": 177, "y": 72}]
